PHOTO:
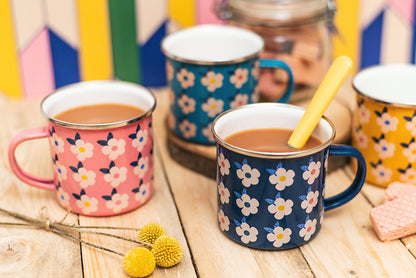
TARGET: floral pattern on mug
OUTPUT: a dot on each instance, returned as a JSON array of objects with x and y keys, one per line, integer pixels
[
  {"x": 56, "y": 141},
  {"x": 383, "y": 148},
  {"x": 239, "y": 100},
  {"x": 411, "y": 124},
  {"x": 408, "y": 175},
  {"x": 308, "y": 229},
  {"x": 311, "y": 171},
  {"x": 116, "y": 202},
  {"x": 169, "y": 71},
  {"x": 62, "y": 196},
  {"x": 186, "y": 78},
  {"x": 187, "y": 104},
  {"x": 224, "y": 165},
  {"x": 141, "y": 165},
  {"x": 386, "y": 121},
  {"x": 223, "y": 220},
  {"x": 208, "y": 133},
  {"x": 279, "y": 207},
  {"x": 381, "y": 173},
  {"x": 114, "y": 175},
  {"x": 248, "y": 176},
  {"x": 212, "y": 81},
  {"x": 213, "y": 107},
  {"x": 239, "y": 78},
  {"x": 81, "y": 149},
  {"x": 142, "y": 191},
  {"x": 278, "y": 235},
  {"x": 60, "y": 169},
  {"x": 188, "y": 129},
  {"x": 364, "y": 113},
  {"x": 112, "y": 147},
  {"x": 224, "y": 193},
  {"x": 409, "y": 150},
  {"x": 281, "y": 177},
  {"x": 310, "y": 200},
  {"x": 83, "y": 176},
  {"x": 245, "y": 231},
  {"x": 361, "y": 138},
  {"x": 139, "y": 138},
  {"x": 247, "y": 204},
  {"x": 85, "y": 203}
]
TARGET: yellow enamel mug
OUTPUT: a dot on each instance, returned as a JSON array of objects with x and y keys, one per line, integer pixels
[{"x": 384, "y": 124}]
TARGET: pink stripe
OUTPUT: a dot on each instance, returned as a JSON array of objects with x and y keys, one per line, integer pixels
[
  {"x": 205, "y": 9},
  {"x": 36, "y": 65},
  {"x": 404, "y": 8}
]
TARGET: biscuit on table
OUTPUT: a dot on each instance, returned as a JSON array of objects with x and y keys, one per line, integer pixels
[
  {"x": 398, "y": 190},
  {"x": 395, "y": 219}
]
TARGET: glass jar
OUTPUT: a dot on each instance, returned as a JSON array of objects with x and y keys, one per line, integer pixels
[{"x": 295, "y": 31}]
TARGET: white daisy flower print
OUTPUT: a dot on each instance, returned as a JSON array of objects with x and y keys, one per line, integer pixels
[
  {"x": 212, "y": 81},
  {"x": 411, "y": 124},
  {"x": 62, "y": 197},
  {"x": 224, "y": 165},
  {"x": 381, "y": 173},
  {"x": 186, "y": 78},
  {"x": 239, "y": 78},
  {"x": 408, "y": 175},
  {"x": 86, "y": 204},
  {"x": 409, "y": 150},
  {"x": 57, "y": 143},
  {"x": 361, "y": 138},
  {"x": 224, "y": 193},
  {"x": 141, "y": 191},
  {"x": 255, "y": 71},
  {"x": 139, "y": 138},
  {"x": 248, "y": 176},
  {"x": 112, "y": 147},
  {"x": 60, "y": 170},
  {"x": 247, "y": 233},
  {"x": 239, "y": 100},
  {"x": 187, "y": 104},
  {"x": 386, "y": 121},
  {"x": 307, "y": 229},
  {"x": 114, "y": 175},
  {"x": 83, "y": 176},
  {"x": 208, "y": 133},
  {"x": 281, "y": 177},
  {"x": 224, "y": 221},
  {"x": 364, "y": 114},
  {"x": 312, "y": 171},
  {"x": 247, "y": 204},
  {"x": 213, "y": 107},
  {"x": 383, "y": 148},
  {"x": 279, "y": 207},
  {"x": 116, "y": 202},
  {"x": 188, "y": 129},
  {"x": 310, "y": 200},
  {"x": 278, "y": 235},
  {"x": 81, "y": 149},
  {"x": 141, "y": 165}
]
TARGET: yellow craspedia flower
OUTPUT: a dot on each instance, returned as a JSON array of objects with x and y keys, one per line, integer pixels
[
  {"x": 167, "y": 251},
  {"x": 150, "y": 232},
  {"x": 139, "y": 262}
]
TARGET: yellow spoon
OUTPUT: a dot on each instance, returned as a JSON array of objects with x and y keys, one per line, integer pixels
[{"x": 320, "y": 101}]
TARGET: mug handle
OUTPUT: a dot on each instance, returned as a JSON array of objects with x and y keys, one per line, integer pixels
[
  {"x": 358, "y": 182},
  {"x": 269, "y": 63},
  {"x": 29, "y": 134}
]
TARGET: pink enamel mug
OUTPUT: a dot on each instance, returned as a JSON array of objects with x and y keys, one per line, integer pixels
[{"x": 99, "y": 169}]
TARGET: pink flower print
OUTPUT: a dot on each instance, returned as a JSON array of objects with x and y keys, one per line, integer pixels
[
  {"x": 188, "y": 129},
  {"x": 312, "y": 171},
  {"x": 411, "y": 124},
  {"x": 186, "y": 78},
  {"x": 56, "y": 141},
  {"x": 141, "y": 165},
  {"x": 383, "y": 148},
  {"x": 139, "y": 138},
  {"x": 381, "y": 173},
  {"x": 213, "y": 107},
  {"x": 310, "y": 200},
  {"x": 364, "y": 114},
  {"x": 112, "y": 147},
  {"x": 281, "y": 177},
  {"x": 279, "y": 206},
  {"x": 187, "y": 104},
  {"x": 307, "y": 229},
  {"x": 116, "y": 202},
  {"x": 62, "y": 196},
  {"x": 239, "y": 78},
  {"x": 169, "y": 70},
  {"x": 408, "y": 175},
  {"x": 59, "y": 169},
  {"x": 409, "y": 150},
  {"x": 361, "y": 138},
  {"x": 278, "y": 235},
  {"x": 224, "y": 165},
  {"x": 83, "y": 176},
  {"x": 239, "y": 100},
  {"x": 114, "y": 175},
  {"x": 141, "y": 191},
  {"x": 212, "y": 81},
  {"x": 224, "y": 221},
  {"x": 81, "y": 149},
  {"x": 208, "y": 133},
  {"x": 85, "y": 203},
  {"x": 224, "y": 193},
  {"x": 247, "y": 204},
  {"x": 247, "y": 233},
  {"x": 248, "y": 176},
  {"x": 386, "y": 121},
  {"x": 255, "y": 71}
]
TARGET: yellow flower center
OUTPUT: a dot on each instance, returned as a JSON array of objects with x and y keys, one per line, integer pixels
[
  {"x": 282, "y": 178},
  {"x": 213, "y": 106},
  {"x": 81, "y": 149},
  {"x": 281, "y": 207},
  {"x": 279, "y": 236},
  {"x": 212, "y": 81},
  {"x": 87, "y": 204},
  {"x": 84, "y": 177}
]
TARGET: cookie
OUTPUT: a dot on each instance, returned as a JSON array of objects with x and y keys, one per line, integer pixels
[{"x": 398, "y": 190}]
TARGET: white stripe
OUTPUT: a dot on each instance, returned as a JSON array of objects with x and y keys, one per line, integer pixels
[
  {"x": 149, "y": 17},
  {"x": 369, "y": 10}
]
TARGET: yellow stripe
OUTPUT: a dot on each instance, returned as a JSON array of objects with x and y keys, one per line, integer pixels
[
  {"x": 347, "y": 22},
  {"x": 10, "y": 82},
  {"x": 183, "y": 12},
  {"x": 95, "y": 50}
]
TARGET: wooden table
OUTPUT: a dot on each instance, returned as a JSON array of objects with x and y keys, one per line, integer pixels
[{"x": 185, "y": 204}]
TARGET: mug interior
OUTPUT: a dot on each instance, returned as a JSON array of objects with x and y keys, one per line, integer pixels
[
  {"x": 393, "y": 83},
  {"x": 268, "y": 115},
  {"x": 212, "y": 43},
  {"x": 97, "y": 92}
]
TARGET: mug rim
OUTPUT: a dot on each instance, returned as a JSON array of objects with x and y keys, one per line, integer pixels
[
  {"x": 97, "y": 126},
  {"x": 272, "y": 155},
  {"x": 174, "y": 57}
]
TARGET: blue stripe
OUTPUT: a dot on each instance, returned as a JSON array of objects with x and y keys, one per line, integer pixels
[{"x": 371, "y": 42}]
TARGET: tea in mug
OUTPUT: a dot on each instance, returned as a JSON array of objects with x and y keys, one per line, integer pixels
[
  {"x": 101, "y": 113},
  {"x": 268, "y": 140}
]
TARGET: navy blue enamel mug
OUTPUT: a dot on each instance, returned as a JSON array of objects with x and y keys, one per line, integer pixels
[
  {"x": 210, "y": 69},
  {"x": 276, "y": 201}
]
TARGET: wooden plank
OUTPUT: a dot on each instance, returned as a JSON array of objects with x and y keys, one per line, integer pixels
[{"x": 31, "y": 252}]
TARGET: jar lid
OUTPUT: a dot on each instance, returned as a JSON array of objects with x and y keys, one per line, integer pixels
[{"x": 276, "y": 12}]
